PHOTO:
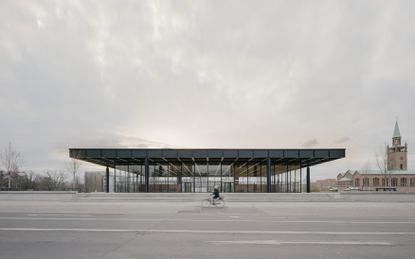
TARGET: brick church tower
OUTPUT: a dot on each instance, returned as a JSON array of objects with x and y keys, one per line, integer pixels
[{"x": 397, "y": 153}]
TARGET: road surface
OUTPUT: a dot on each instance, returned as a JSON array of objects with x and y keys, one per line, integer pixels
[{"x": 134, "y": 228}]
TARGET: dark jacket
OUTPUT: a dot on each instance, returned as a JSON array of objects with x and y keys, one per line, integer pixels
[{"x": 215, "y": 193}]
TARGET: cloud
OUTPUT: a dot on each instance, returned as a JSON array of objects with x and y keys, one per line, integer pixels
[
  {"x": 342, "y": 140},
  {"x": 311, "y": 143},
  {"x": 205, "y": 74}
]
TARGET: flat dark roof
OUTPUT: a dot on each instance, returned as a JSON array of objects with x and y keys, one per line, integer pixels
[{"x": 136, "y": 156}]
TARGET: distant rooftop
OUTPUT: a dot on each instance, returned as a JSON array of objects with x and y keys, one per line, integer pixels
[{"x": 374, "y": 171}]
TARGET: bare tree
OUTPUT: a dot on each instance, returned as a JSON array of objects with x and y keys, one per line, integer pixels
[
  {"x": 53, "y": 181},
  {"x": 382, "y": 163},
  {"x": 28, "y": 181},
  {"x": 11, "y": 160},
  {"x": 73, "y": 168},
  {"x": 57, "y": 179}
]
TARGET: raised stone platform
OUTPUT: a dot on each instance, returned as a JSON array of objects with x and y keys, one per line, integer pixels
[{"x": 229, "y": 197}]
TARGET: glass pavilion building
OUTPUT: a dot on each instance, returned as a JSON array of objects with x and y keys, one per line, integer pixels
[{"x": 199, "y": 170}]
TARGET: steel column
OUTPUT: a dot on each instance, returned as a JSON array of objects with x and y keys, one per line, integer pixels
[
  {"x": 107, "y": 180},
  {"x": 247, "y": 169},
  {"x": 128, "y": 178},
  {"x": 295, "y": 181},
  {"x": 308, "y": 180},
  {"x": 287, "y": 180},
  {"x": 180, "y": 177},
  {"x": 301, "y": 179},
  {"x": 115, "y": 178},
  {"x": 221, "y": 185},
  {"x": 194, "y": 173},
  {"x": 269, "y": 175},
  {"x": 146, "y": 175}
]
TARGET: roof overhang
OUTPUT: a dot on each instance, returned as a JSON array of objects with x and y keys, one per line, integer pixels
[{"x": 111, "y": 157}]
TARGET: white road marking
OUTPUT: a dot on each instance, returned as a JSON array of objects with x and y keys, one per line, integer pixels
[
  {"x": 185, "y": 231},
  {"x": 344, "y": 222},
  {"x": 234, "y": 219},
  {"x": 311, "y": 243},
  {"x": 81, "y": 219}
]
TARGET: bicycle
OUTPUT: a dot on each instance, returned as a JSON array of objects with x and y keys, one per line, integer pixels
[{"x": 210, "y": 202}]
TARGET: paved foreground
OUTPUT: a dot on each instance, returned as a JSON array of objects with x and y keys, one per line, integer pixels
[{"x": 146, "y": 228}]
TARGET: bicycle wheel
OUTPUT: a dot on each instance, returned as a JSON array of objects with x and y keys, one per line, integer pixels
[
  {"x": 205, "y": 203},
  {"x": 220, "y": 203}
]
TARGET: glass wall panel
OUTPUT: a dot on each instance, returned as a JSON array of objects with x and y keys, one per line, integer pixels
[
  {"x": 227, "y": 179},
  {"x": 120, "y": 178},
  {"x": 279, "y": 183},
  {"x": 261, "y": 174},
  {"x": 256, "y": 176},
  {"x": 295, "y": 177},
  {"x": 154, "y": 173},
  {"x": 175, "y": 170},
  {"x": 201, "y": 177},
  {"x": 251, "y": 177},
  {"x": 240, "y": 174},
  {"x": 214, "y": 176},
  {"x": 187, "y": 179},
  {"x": 164, "y": 178}
]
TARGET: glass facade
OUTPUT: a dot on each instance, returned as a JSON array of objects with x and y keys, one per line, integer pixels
[{"x": 203, "y": 176}]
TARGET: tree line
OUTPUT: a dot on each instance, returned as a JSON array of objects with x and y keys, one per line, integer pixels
[{"x": 12, "y": 178}]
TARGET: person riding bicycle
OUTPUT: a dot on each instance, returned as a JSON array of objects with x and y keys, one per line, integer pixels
[{"x": 215, "y": 194}]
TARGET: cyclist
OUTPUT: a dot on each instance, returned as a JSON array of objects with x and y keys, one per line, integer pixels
[{"x": 215, "y": 194}]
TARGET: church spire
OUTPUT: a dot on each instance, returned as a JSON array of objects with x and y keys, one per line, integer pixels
[
  {"x": 396, "y": 132},
  {"x": 397, "y": 153}
]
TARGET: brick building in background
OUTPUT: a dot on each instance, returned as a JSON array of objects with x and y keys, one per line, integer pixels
[{"x": 394, "y": 175}]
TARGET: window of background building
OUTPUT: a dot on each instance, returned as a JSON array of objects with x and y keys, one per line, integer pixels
[
  {"x": 403, "y": 182},
  {"x": 394, "y": 182},
  {"x": 376, "y": 181},
  {"x": 412, "y": 182},
  {"x": 365, "y": 181},
  {"x": 357, "y": 182}
]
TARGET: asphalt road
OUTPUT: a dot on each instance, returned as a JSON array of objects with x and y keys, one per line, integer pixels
[{"x": 173, "y": 229}]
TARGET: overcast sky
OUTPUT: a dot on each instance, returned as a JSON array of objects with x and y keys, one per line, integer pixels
[{"x": 253, "y": 74}]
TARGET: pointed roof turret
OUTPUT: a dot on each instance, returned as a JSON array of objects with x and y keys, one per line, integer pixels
[{"x": 396, "y": 132}]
